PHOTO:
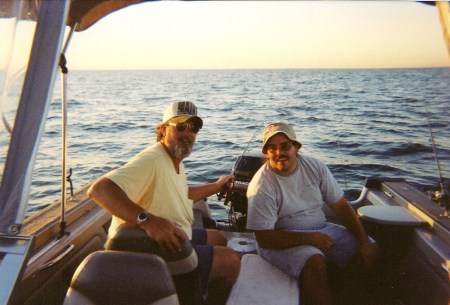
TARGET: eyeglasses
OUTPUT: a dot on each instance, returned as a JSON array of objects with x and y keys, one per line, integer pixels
[
  {"x": 181, "y": 127},
  {"x": 282, "y": 147}
]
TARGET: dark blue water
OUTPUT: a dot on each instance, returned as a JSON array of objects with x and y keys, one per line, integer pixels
[{"x": 359, "y": 122}]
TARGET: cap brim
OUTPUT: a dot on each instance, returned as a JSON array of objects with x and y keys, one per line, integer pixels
[{"x": 183, "y": 118}]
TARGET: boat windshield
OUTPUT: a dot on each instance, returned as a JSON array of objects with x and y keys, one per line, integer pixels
[{"x": 16, "y": 36}]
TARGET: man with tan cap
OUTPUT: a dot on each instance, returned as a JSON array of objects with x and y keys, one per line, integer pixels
[
  {"x": 285, "y": 211},
  {"x": 151, "y": 191}
]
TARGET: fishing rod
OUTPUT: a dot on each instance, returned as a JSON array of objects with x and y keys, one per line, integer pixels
[
  {"x": 342, "y": 164},
  {"x": 248, "y": 143},
  {"x": 441, "y": 195}
]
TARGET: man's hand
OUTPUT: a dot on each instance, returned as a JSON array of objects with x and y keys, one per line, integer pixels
[
  {"x": 200, "y": 192},
  {"x": 321, "y": 241},
  {"x": 223, "y": 180},
  {"x": 167, "y": 234},
  {"x": 368, "y": 253}
]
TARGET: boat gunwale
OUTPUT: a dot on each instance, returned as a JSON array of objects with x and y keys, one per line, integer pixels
[{"x": 45, "y": 224}]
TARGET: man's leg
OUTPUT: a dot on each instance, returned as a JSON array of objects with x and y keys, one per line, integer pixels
[
  {"x": 225, "y": 265},
  {"x": 224, "y": 272},
  {"x": 216, "y": 238},
  {"x": 315, "y": 287},
  {"x": 225, "y": 268}
]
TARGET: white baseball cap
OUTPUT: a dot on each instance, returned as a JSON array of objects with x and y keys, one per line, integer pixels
[{"x": 181, "y": 111}]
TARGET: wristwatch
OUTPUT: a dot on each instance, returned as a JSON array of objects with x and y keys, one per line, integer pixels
[{"x": 142, "y": 216}]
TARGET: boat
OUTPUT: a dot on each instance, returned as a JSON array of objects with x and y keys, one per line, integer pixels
[{"x": 40, "y": 254}]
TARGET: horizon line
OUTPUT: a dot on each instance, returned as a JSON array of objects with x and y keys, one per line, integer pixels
[{"x": 259, "y": 69}]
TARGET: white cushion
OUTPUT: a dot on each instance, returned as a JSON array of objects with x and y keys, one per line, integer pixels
[{"x": 261, "y": 283}]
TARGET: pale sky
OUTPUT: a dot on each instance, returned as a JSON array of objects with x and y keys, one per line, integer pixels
[{"x": 268, "y": 35}]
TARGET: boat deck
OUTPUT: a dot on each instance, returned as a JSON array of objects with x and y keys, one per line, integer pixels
[{"x": 413, "y": 269}]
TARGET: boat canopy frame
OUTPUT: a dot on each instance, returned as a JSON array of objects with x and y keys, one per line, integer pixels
[{"x": 36, "y": 95}]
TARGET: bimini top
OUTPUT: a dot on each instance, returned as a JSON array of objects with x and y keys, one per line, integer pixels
[{"x": 81, "y": 12}]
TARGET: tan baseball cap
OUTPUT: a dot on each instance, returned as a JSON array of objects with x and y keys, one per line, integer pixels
[{"x": 279, "y": 127}]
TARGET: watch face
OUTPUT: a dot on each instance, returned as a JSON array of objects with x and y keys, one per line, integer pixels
[{"x": 142, "y": 217}]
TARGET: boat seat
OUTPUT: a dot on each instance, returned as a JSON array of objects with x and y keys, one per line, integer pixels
[
  {"x": 198, "y": 219},
  {"x": 131, "y": 238},
  {"x": 120, "y": 278},
  {"x": 182, "y": 264},
  {"x": 262, "y": 283}
]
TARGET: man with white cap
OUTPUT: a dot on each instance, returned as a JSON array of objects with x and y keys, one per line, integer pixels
[
  {"x": 151, "y": 191},
  {"x": 285, "y": 211}
]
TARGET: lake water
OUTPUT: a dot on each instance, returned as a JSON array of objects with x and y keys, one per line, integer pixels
[{"x": 359, "y": 122}]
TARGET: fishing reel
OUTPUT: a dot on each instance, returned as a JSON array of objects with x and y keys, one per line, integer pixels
[
  {"x": 441, "y": 196},
  {"x": 237, "y": 200},
  {"x": 235, "y": 193}
]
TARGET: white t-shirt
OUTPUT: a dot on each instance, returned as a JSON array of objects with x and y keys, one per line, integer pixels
[
  {"x": 149, "y": 179},
  {"x": 293, "y": 202}
]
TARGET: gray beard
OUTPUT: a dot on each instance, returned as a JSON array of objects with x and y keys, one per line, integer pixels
[{"x": 181, "y": 152}]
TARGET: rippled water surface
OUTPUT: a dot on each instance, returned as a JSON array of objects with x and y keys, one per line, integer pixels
[{"x": 360, "y": 122}]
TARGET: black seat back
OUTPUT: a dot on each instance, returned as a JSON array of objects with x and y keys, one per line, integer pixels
[
  {"x": 182, "y": 264},
  {"x": 131, "y": 238},
  {"x": 122, "y": 278}
]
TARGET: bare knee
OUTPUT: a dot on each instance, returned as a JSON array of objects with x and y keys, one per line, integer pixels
[
  {"x": 226, "y": 266},
  {"x": 216, "y": 238},
  {"x": 315, "y": 267}
]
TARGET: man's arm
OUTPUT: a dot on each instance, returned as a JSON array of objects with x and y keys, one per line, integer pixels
[
  {"x": 349, "y": 219},
  {"x": 367, "y": 250},
  {"x": 113, "y": 199},
  {"x": 279, "y": 239},
  {"x": 197, "y": 193}
]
